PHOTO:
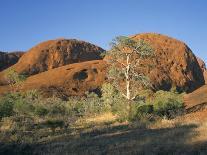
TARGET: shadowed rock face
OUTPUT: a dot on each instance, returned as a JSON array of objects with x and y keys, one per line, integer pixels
[
  {"x": 9, "y": 59},
  {"x": 55, "y": 53},
  {"x": 203, "y": 68},
  {"x": 174, "y": 64}
]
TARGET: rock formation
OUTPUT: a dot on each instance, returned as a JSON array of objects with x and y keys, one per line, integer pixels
[
  {"x": 50, "y": 67},
  {"x": 9, "y": 59},
  {"x": 54, "y": 53},
  {"x": 196, "y": 100},
  {"x": 73, "y": 79},
  {"x": 203, "y": 68},
  {"x": 175, "y": 65}
]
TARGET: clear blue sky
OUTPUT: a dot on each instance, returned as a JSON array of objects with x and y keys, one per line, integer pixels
[{"x": 24, "y": 23}]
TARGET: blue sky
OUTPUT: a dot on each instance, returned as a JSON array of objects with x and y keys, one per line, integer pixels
[{"x": 24, "y": 23}]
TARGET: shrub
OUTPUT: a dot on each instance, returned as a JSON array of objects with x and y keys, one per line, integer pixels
[
  {"x": 112, "y": 99},
  {"x": 6, "y": 108},
  {"x": 21, "y": 103},
  {"x": 22, "y": 107},
  {"x": 40, "y": 110},
  {"x": 138, "y": 110},
  {"x": 9, "y": 103},
  {"x": 167, "y": 103},
  {"x": 92, "y": 104},
  {"x": 51, "y": 106},
  {"x": 109, "y": 94},
  {"x": 15, "y": 80},
  {"x": 121, "y": 109}
]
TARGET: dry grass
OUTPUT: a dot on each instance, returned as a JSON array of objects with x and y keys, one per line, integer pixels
[{"x": 102, "y": 134}]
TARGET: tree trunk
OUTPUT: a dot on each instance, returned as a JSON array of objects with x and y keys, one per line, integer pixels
[{"x": 128, "y": 94}]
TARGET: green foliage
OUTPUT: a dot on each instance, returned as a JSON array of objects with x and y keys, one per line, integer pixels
[
  {"x": 167, "y": 103},
  {"x": 93, "y": 104},
  {"x": 125, "y": 57},
  {"x": 22, "y": 107},
  {"x": 139, "y": 108},
  {"x": 19, "y": 103},
  {"x": 40, "y": 110},
  {"x": 15, "y": 80},
  {"x": 121, "y": 109},
  {"x": 122, "y": 44},
  {"x": 109, "y": 95},
  {"x": 6, "y": 107},
  {"x": 115, "y": 102}
]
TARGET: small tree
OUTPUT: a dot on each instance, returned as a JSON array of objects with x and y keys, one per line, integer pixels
[
  {"x": 14, "y": 79},
  {"x": 126, "y": 55}
]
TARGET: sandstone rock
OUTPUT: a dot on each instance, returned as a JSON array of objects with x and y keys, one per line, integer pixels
[
  {"x": 54, "y": 53},
  {"x": 74, "y": 79},
  {"x": 175, "y": 65},
  {"x": 196, "y": 100},
  {"x": 203, "y": 68},
  {"x": 9, "y": 59}
]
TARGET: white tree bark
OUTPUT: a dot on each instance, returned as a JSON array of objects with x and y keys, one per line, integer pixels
[{"x": 128, "y": 94}]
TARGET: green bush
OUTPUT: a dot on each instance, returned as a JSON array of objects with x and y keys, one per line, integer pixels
[
  {"x": 121, "y": 109},
  {"x": 23, "y": 108},
  {"x": 167, "y": 103},
  {"x": 6, "y": 108},
  {"x": 114, "y": 102},
  {"x": 138, "y": 110},
  {"x": 92, "y": 104},
  {"x": 109, "y": 94},
  {"x": 40, "y": 110},
  {"x": 9, "y": 102}
]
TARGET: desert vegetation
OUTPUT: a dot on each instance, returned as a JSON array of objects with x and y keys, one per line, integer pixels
[
  {"x": 126, "y": 113},
  {"x": 27, "y": 118},
  {"x": 33, "y": 124}
]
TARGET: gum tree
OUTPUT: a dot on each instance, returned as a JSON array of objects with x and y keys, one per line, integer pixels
[{"x": 126, "y": 57}]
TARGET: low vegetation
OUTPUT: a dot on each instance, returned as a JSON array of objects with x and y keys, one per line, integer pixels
[
  {"x": 32, "y": 124},
  {"x": 27, "y": 117},
  {"x": 29, "y": 121},
  {"x": 84, "y": 124}
]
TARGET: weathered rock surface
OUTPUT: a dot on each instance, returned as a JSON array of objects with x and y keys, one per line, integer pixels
[
  {"x": 203, "y": 68},
  {"x": 174, "y": 64},
  {"x": 9, "y": 59},
  {"x": 196, "y": 100},
  {"x": 73, "y": 79},
  {"x": 54, "y": 53}
]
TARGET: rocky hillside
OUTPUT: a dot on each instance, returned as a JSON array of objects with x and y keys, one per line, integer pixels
[
  {"x": 74, "y": 79},
  {"x": 9, "y": 59},
  {"x": 55, "y": 53},
  {"x": 175, "y": 65}
]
